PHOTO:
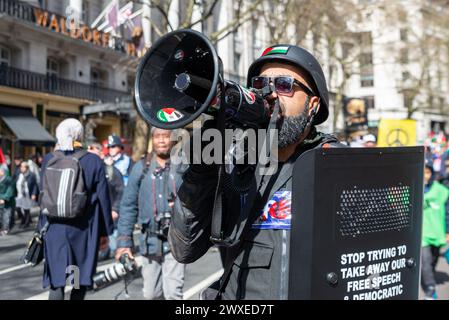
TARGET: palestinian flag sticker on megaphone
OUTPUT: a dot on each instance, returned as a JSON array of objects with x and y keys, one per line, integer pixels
[
  {"x": 249, "y": 96},
  {"x": 169, "y": 115}
]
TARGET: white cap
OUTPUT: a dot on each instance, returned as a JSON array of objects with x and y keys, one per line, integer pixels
[{"x": 369, "y": 138}]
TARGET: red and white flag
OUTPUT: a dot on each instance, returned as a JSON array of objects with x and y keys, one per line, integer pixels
[
  {"x": 125, "y": 12},
  {"x": 113, "y": 15}
]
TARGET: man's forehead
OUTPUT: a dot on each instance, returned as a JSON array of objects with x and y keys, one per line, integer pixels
[
  {"x": 281, "y": 69},
  {"x": 160, "y": 131}
]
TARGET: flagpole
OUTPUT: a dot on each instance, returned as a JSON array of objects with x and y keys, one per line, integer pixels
[{"x": 102, "y": 14}]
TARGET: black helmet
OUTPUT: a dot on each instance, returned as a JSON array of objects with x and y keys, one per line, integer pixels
[
  {"x": 299, "y": 57},
  {"x": 114, "y": 140}
]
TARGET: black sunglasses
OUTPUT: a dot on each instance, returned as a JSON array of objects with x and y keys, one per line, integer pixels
[{"x": 282, "y": 84}]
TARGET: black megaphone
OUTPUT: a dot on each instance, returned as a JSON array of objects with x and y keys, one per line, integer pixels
[{"x": 181, "y": 77}]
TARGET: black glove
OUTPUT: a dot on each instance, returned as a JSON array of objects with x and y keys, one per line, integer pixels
[{"x": 197, "y": 166}]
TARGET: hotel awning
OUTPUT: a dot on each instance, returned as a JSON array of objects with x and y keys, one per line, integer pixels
[{"x": 27, "y": 129}]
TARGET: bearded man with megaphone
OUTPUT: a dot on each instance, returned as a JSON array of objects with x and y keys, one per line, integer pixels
[{"x": 180, "y": 78}]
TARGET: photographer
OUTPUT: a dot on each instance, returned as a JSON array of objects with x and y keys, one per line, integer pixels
[
  {"x": 148, "y": 200},
  {"x": 256, "y": 267}
]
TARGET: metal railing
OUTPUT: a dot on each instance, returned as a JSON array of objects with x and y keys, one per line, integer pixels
[
  {"x": 17, "y": 9},
  {"x": 22, "y": 79}
]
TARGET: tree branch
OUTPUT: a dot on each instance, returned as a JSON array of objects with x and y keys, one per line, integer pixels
[{"x": 205, "y": 16}]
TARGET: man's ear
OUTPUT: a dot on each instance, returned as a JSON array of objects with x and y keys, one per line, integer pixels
[{"x": 314, "y": 106}]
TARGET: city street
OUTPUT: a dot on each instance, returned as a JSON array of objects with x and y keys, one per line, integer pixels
[{"x": 20, "y": 282}]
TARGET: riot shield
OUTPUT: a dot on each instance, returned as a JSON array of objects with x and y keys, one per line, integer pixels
[{"x": 356, "y": 224}]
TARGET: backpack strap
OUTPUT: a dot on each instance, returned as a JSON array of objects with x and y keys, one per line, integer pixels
[
  {"x": 146, "y": 163},
  {"x": 58, "y": 153},
  {"x": 44, "y": 229}
]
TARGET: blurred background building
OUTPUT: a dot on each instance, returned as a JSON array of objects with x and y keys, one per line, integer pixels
[{"x": 77, "y": 58}]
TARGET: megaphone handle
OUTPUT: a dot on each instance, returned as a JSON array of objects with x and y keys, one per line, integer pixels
[
  {"x": 268, "y": 140},
  {"x": 221, "y": 120},
  {"x": 200, "y": 82}
]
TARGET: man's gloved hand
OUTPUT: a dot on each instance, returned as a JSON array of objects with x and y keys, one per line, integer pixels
[{"x": 196, "y": 160}]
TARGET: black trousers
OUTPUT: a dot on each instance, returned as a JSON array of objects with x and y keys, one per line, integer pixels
[
  {"x": 429, "y": 259},
  {"x": 26, "y": 217},
  {"x": 76, "y": 294}
]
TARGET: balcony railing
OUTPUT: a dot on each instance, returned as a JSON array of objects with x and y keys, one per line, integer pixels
[
  {"x": 25, "y": 11},
  {"x": 22, "y": 79}
]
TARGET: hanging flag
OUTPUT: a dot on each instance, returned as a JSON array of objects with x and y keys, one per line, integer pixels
[
  {"x": 125, "y": 13},
  {"x": 113, "y": 15},
  {"x": 134, "y": 35}
]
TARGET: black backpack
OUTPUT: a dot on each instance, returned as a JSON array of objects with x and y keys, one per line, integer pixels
[{"x": 63, "y": 192}]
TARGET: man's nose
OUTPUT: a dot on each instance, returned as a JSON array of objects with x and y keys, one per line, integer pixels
[{"x": 272, "y": 96}]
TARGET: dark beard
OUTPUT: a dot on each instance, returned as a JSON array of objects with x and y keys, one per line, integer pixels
[{"x": 292, "y": 128}]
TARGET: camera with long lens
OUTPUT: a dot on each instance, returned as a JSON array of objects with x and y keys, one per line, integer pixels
[
  {"x": 125, "y": 266},
  {"x": 181, "y": 77}
]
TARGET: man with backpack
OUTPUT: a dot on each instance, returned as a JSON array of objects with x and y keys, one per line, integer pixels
[
  {"x": 75, "y": 213},
  {"x": 148, "y": 200}
]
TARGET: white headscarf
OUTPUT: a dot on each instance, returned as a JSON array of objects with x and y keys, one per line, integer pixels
[{"x": 67, "y": 132}]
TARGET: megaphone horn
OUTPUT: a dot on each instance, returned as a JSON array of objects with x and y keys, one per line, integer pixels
[{"x": 177, "y": 79}]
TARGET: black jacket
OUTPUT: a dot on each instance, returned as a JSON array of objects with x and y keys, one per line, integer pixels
[
  {"x": 116, "y": 186},
  {"x": 259, "y": 271}
]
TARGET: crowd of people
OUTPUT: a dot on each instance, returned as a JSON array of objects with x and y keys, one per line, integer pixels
[
  {"x": 19, "y": 191},
  {"x": 119, "y": 194}
]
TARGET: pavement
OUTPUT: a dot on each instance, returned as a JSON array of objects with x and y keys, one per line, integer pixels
[{"x": 21, "y": 282}]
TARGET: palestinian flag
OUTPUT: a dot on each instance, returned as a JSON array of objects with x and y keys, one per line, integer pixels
[
  {"x": 169, "y": 115},
  {"x": 275, "y": 50}
]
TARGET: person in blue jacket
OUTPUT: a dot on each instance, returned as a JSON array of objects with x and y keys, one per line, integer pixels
[
  {"x": 120, "y": 160},
  {"x": 148, "y": 200},
  {"x": 71, "y": 247}
]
